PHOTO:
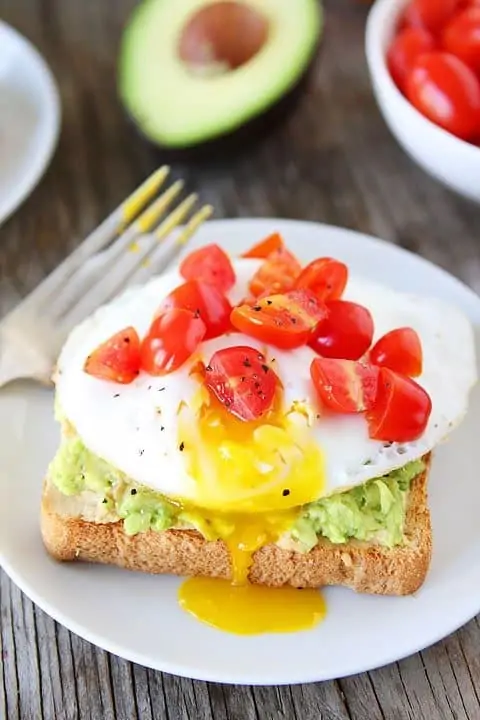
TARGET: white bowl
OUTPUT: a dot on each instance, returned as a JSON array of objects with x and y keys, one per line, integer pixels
[{"x": 453, "y": 162}]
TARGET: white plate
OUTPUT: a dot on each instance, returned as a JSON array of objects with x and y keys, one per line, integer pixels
[
  {"x": 137, "y": 617},
  {"x": 29, "y": 118}
]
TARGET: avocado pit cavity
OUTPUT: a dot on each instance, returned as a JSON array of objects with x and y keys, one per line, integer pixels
[{"x": 222, "y": 37}]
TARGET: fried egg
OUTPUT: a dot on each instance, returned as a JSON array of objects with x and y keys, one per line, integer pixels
[{"x": 169, "y": 435}]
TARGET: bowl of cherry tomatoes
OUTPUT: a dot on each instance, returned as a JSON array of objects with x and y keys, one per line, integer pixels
[{"x": 424, "y": 62}]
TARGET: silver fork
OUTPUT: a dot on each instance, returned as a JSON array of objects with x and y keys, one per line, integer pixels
[{"x": 119, "y": 251}]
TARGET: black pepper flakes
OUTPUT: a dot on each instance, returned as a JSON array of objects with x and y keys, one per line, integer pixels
[
  {"x": 126, "y": 340},
  {"x": 257, "y": 308},
  {"x": 116, "y": 395},
  {"x": 162, "y": 428},
  {"x": 181, "y": 447},
  {"x": 149, "y": 387},
  {"x": 269, "y": 302},
  {"x": 286, "y": 492},
  {"x": 196, "y": 314},
  {"x": 161, "y": 389},
  {"x": 247, "y": 363},
  {"x": 140, "y": 452},
  {"x": 209, "y": 368},
  {"x": 265, "y": 368},
  {"x": 133, "y": 491},
  {"x": 104, "y": 501}
]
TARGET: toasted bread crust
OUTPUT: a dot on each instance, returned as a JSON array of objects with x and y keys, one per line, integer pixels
[{"x": 365, "y": 568}]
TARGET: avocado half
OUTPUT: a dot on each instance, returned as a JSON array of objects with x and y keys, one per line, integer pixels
[{"x": 191, "y": 71}]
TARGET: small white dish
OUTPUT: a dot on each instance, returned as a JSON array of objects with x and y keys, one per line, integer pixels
[
  {"x": 29, "y": 118},
  {"x": 137, "y": 616},
  {"x": 452, "y": 161}
]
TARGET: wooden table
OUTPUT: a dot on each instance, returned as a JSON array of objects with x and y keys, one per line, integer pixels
[{"x": 332, "y": 160}]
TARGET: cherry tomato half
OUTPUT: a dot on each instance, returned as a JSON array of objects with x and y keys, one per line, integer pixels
[
  {"x": 401, "y": 410},
  {"x": 461, "y": 37},
  {"x": 203, "y": 300},
  {"x": 276, "y": 274},
  {"x": 431, "y": 15},
  {"x": 285, "y": 321},
  {"x": 346, "y": 332},
  {"x": 117, "y": 359},
  {"x": 209, "y": 264},
  {"x": 325, "y": 277},
  {"x": 408, "y": 45},
  {"x": 446, "y": 91},
  {"x": 242, "y": 382},
  {"x": 400, "y": 350},
  {"x": 266, "y": 247},
  {"x": 344, "y": 386},
  {"x": 172, "y": 338}
]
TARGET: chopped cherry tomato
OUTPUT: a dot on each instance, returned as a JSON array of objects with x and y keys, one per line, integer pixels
[
  {"x": 266, "y": 247},
  {"x": 242, "y": 381},
  {"x": 325, "y": 277},
  {"x": 409, "y": 44},
  {"x": 277, "y": 273},
  {"x": 401, "y": 410},
  {"x": 285, "y": 321},
  {"x": 446, "y": 91},
  {"x": 209, "y": 264},
  {"x": 346, "y": 332},
  {"x": 461, "y": 37},
  {"x": 117, "y": 359},
  {"x": 399, "y": 350},
  {"x": 429, "y": 14},
  {"x": 203, "y": 300},
  {"x": 344, "y": 386},
  {"x": 172, "y": 338}
]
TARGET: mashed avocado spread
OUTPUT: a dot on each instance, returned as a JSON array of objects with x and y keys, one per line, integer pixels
[{"x": 374, "y": 511}]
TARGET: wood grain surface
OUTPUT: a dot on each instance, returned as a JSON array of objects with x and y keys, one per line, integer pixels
[{"x": 331, "y": 160}]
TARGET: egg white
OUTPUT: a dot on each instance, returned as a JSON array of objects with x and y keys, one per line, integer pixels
[{"x": 135, "y": 427}]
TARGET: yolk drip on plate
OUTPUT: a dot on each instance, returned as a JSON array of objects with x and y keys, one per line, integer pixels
[{"x": 250, "y": 479}]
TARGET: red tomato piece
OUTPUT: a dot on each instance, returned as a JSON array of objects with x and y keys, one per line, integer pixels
[
  {"x": 447, "y": 92},
  {"x": 117, "y": 359},
  {"x": 242, "y": 381},
  {"x": 209, "y": 264},
  {"x": 203, "y": 300},
  {"x": 399, "y": 350},
  {"x": 409, "y": 44},
  {"x": 277, "y": 273},
  {"x": 344, "y": 386},
  {"x": 172, "y": 338},
  {"x": 401, "y": 410},
  {"x": 325, "y": 277},
  {"x": 461, "y": 37},
  {"x": 429, "y": 14},
  {"x": 346, "y": 332},
  {"x": 265, "y": 247},
  {"x": 285, "y": 321}
]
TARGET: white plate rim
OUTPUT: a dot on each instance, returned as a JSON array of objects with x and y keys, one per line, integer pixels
[
  {"x": 52, "y": 106},
  {"x": 458, "y": 620}
]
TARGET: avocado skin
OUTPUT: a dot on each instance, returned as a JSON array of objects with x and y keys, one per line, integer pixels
[{"x": 226, "y": 148}]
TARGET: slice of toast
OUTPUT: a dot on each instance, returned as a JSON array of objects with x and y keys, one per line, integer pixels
[{"x": 364, "y": 567}]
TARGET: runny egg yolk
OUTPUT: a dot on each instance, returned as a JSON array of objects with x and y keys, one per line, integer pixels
[{"x": 250, "y": 479}]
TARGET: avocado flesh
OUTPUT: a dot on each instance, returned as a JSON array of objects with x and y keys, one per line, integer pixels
[
  {"x": 176, "y": 108},
  {"x": 373, "y": 512}
]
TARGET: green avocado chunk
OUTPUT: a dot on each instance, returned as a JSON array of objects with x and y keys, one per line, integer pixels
[
  {"x": 190, "y": 71},
  {"x": 373, "y": 511}
]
